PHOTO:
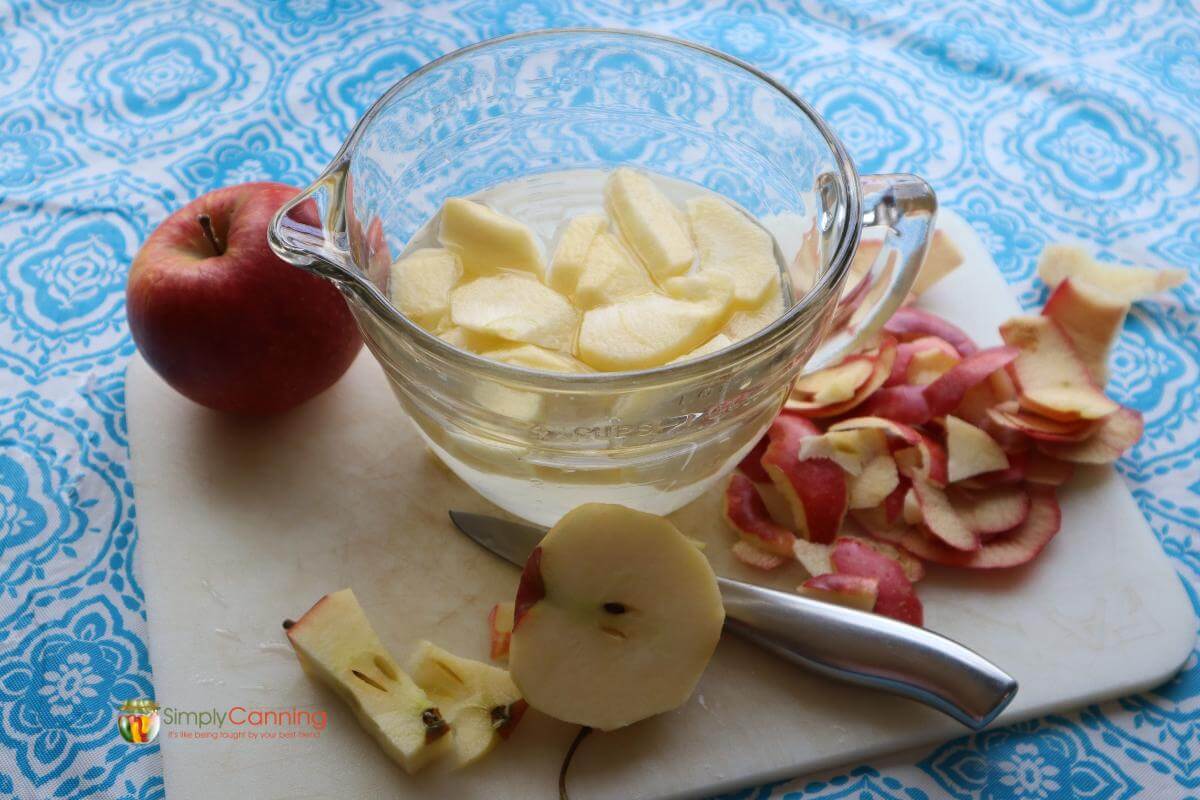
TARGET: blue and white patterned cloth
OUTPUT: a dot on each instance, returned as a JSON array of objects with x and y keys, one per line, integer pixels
[{"x": 1038, "y": 120}]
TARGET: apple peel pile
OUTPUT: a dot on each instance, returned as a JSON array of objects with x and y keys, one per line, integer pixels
[{"x": 933, "y": 449}]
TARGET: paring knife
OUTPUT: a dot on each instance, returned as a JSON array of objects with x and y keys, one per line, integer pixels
[{"x": 841, "y": 643}]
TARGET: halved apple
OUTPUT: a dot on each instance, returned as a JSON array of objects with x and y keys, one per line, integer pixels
[
  {"x": 420, "y": 284},
  {"x": 815, "y": 488},
  {"x": 853, "y": 591},
  {"x": 1117, "y": 433},
  {"x": 617, "y": 615},
  {"x": 487, "y": 241},
  {"x": 728, "y": 241},
  {"x": 651, "y": 224},
  {"x": 336, "y": 644},
  {"x": 1062, "y": 261},
  {"x": 747, "y": 514},
  {"x": 480, "y": 701},
  {"x": 971, "y": 451},
  {"x": 571, "y": 251},
  {"x": 1092, "y": 320},
  {"x": 609, "y": 274},
  {"x": 515, "y": 307},
  {"x": 1051, "y": 378}
]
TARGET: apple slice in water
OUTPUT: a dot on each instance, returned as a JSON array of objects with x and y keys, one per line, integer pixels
[
  {"x": 730, "y": 242},
  {"x": 617, "y": 615},
  {"x": 421, "y": 282},
  {"x": 487, "y": 241},
  {"x": 654, "y": 228},
  {"x": 516, "y": 307}
]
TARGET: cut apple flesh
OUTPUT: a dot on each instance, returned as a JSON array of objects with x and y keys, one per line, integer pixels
[
  {"x": 571, "y": 252},
  {"x": 747, "y": 514},
  {"x": 480, "y": 701},
  {"x": 488, "y": 241},
  {"x": 854, "y": 591},
  {"x": 617, "y": 616},
  {"x": 814, "y": 557},
  {"x": 730, "y": 242},
  {"x": 650, "y": 330},
  {"x": 878, "y": 479},
  {"x": 713, "y": 345},
  {"x": 905, "y": 352},
  {"x": 931, "y": 463},
  {"x": 1051, "y": 378},
  {"x": 420, "y": 284},
  {"x": 834, "y": 384},
  {"x": 753, "y": 556},
  {"x": 927, "y": 366},
  {"x": 337, "y": 645},
  {"x": 650, "y": 223},
  {"x": 970, "y": 451},
  {"x": 531, "y": 356},
  {"x": 881, "y": 358},
  {"x": 609, "y": 274},
  {"x": 515, "y": 307},
  {"x": 1060, "y": 262}
]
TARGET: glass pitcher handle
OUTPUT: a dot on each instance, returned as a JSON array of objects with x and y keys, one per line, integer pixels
[{"x": 907, "y": 206}]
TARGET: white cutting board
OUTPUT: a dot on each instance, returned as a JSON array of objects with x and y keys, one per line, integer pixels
[{"x": 245, "y": 523}]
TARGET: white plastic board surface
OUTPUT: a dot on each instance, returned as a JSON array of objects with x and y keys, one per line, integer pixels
[{"x": 242, "y": 524}]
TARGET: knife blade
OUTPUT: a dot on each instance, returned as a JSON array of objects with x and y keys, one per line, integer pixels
[{"x": 841, "y": 643}]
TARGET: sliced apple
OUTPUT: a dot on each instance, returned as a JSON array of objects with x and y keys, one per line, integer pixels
[
  {"x": 515, "y": 307},
  {"x": 941, "y": 518},
  {"x": 814, "y": 557},
  {"x": 1010, "y": 415},
  {"x": 756, "y": 557},
  {"x": 1048, "y": 470},
  {"x": 1092, "y": 320},
  {"x": 910, "y": 323},
  {"x": 487, "y": 241},
  {"x": 896, "y": 598},
  {"x": 970, "y": 451},
  {"x": 1009, "y": 549},
  {"x": 815, "y": 488},
  {"x": 480, "y": 701},
  {"x": 728, "y": 241},
  {"x": 420, "y": 284},
  {"x": 993, "y": 510},
  {"x": 751, "y": 465},
  {"x": 1117, "y": 433},
  {"x": 853, "y": 591},
  {"x": 650, "y": 223},
  {"x": 742, "y": 324},
  {"x": 747, "y": 514},
  {"x": 609, "y": 274},
  {"x": 617, "y": 615},
  {"x": 1051, "y": 378},
  {"x": 942, "y": 258},
  {"x": 652, "y": 329},
  {"x": 500, "y": 625},
  {"x": 713, "y": 345},
  {"x": 1061, "y": 261},
  {"x": 571, "y": 252},
  {"x": 531, "y": 356},
  {"x": 336, "y": 644},
  {"x": 471, "y": 341}
]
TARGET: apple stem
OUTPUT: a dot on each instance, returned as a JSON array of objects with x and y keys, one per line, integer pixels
[
  {"x": 209, "y": 233},
  {"x": 562, "y": 773}
]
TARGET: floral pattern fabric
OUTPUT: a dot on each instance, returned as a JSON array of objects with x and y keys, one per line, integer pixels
[{"x": 1037, "y": 120}]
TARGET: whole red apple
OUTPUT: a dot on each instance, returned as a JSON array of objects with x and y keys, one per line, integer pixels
[{"x": 227, "y": 323}]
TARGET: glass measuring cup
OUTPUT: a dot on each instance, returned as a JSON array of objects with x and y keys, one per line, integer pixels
[{"x": 538, "y": 444}]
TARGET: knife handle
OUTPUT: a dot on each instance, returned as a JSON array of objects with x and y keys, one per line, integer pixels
[{"x": 870, "y": 650}]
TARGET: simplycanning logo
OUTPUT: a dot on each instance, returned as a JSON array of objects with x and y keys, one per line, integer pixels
[{"x": 139, "y": 722}]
